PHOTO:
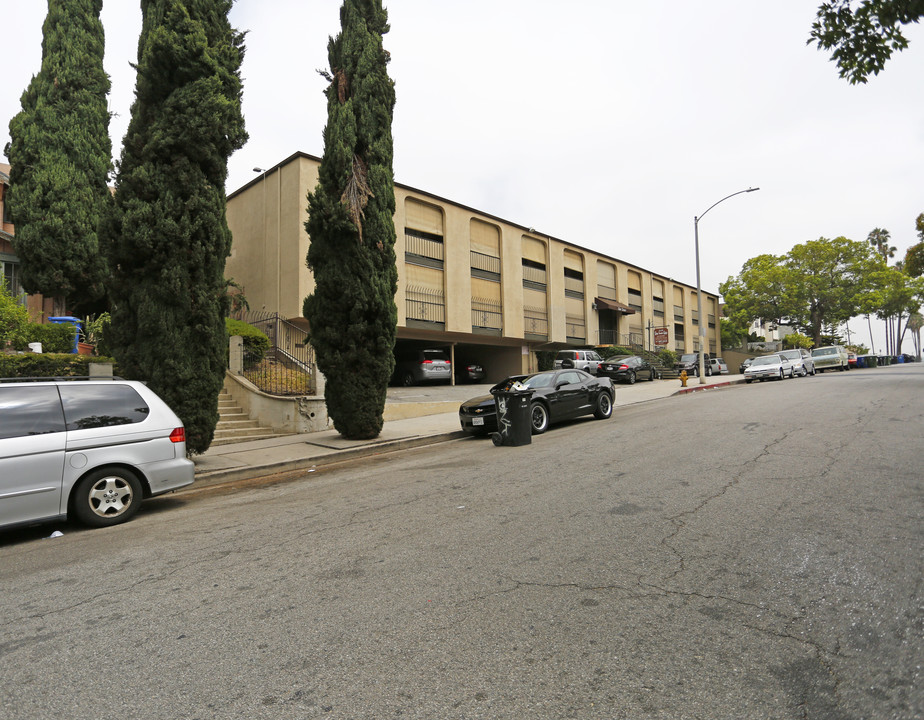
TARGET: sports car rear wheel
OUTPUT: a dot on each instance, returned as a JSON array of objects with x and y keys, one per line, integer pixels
[{"x": 604, "y": 407}]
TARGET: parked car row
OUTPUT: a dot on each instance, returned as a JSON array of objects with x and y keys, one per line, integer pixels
[
  {"x": 797, "y": 362},
  {"x": 413, "y": 367}
]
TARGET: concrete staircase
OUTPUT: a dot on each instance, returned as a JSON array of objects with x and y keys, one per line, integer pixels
[{"x": 234, "y": 426}]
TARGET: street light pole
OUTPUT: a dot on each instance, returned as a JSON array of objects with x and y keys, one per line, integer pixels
[{"x": 699, "y": 290}]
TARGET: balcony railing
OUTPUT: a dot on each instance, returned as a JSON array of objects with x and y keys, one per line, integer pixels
[
  {"x": 487, "y": 314},
  {"x": 425, "y": 305},
  {"x": 535, "y": 321}
]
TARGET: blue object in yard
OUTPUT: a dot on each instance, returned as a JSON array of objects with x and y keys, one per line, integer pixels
[
  {"x": 861, "y": 361},
  {"x": 901, "y": 358},
  {"x": 61, "y": 319}
]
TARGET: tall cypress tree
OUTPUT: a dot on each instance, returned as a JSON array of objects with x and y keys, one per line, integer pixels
[
  {"x": 168, "y": 235},
  {"x": 351, "y": 223},
  {"x": 60, "y": 157}
]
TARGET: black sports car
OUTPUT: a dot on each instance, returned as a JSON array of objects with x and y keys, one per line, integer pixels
[
  {"x": 557, "y": 395},
  {"x": 628, "y": 368}
]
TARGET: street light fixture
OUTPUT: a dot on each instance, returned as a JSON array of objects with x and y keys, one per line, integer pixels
[{"x": 699, "y": 291}]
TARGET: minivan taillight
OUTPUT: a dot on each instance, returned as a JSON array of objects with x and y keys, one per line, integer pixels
[{"x": 178, "y": 435}]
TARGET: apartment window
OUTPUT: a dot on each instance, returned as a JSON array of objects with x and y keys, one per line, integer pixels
[
  {"x": 678, "y": 313},
  {"x": 711, "y": 320},
  {"x": 657, "y": 306},
  {"x": 534, "y": 275},
  {"x": 635, "y": 300},
  {"x": 11, "y": 279},
  {"x": 423, "y": 248},
  {"x": 486, "y": 267},
  {"x": 574, "y": 284}
]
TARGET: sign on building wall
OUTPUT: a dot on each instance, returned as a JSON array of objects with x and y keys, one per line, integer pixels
[{"x": 660, "y": 336}]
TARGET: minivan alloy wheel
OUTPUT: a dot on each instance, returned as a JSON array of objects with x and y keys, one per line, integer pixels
[{"x": 107, "y": 496}]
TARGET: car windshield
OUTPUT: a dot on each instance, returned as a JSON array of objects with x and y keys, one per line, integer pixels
[
  {"x": 689, "y": 358},
  {"x": 766, "y": 360},
  {"x": 824, "y": 351},
  {"x": 435, "y": 356},
  {"x": 539, "y": 380},
  {"x": 791, "y": 354}
]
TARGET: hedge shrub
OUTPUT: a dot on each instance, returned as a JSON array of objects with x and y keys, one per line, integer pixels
[
  {"x": 255, "y": 341},
  {"x": 49, "y": 365},
  {"x": 55, "y": 338}
]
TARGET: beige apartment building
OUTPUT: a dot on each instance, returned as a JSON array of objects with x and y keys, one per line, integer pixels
[{"x": 486, "y": 290}]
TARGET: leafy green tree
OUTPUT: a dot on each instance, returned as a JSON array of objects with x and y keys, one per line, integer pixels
[
  {"x": 761, "y": 291},
  {"x": 863, "y": 34},
  {"x": 797, "y": 340},
  {"x": 60, "y": 157},
  {"x": 914, "y": 257},
  {"x": 830, "y": 279},
  {"x": 734, "y": 333},
  {"x": 351, "y": 223},
  {"x": 168, "y": 236},
  {"x": 819, "y": 283}
]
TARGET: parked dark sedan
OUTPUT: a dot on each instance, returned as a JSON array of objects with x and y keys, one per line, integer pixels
[
  {"x": 557, "y": 395},
  {"x": 469, "y": 372},
  {"x": 627, "y": 368}
]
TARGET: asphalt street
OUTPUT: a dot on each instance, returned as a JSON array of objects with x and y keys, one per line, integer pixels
[{"x": 748, "y": 553}]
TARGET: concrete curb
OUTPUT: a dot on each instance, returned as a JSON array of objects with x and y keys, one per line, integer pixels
[{"x": 230, "y": 475}]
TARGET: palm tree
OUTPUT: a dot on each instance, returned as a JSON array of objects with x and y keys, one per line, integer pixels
[
  {"x": 879, "y": 238},
  {"x": 915, "y": 323}
]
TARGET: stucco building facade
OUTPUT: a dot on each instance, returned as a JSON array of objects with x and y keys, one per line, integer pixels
[{"x": 485, "y": 289}]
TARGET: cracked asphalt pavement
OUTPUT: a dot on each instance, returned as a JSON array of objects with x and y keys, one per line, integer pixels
[{"x": 755, "y": 552}]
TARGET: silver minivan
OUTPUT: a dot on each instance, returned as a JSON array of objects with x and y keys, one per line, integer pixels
[{"x": 85, "y": 449}]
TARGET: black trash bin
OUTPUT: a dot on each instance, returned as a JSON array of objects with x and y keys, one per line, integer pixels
[{"x": 514, "y": 426}]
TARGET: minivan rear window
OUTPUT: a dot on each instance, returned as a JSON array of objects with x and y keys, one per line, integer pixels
[
  {"x": 93, "y": 406},
  {"x": 30, "y": 411}
]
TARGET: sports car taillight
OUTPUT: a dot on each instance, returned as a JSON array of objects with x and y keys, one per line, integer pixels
[{"x": 178, "y": 435}]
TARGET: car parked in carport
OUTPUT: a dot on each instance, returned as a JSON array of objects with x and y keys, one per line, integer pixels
[
  {"x": 420, "y": 366},
  {"x": 469, "y": 372},
  {"x": 557, "y": 395}
]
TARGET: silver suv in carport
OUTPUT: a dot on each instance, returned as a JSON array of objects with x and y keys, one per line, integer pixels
[
  {"x": 88, "y": 449},
  {"x": 418, "y": 366}
]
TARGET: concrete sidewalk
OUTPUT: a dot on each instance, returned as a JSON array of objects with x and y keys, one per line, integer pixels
[{"x": 258, "y": 458}]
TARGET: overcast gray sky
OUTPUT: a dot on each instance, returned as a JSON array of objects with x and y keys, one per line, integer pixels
[{"x": 605, "y": 123}]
